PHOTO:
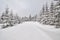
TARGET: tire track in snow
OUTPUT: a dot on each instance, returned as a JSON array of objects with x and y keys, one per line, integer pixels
[{"x": 53, "y": 34}]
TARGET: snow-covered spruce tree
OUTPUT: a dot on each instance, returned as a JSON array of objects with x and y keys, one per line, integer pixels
[
  {"x": 51, "y": 17},
  {"x": 24, "y": 19},
  {"x": 51, "y": 14},
  {"x": 52, "y": 7},
  {"x": 17, "y": 19},
  {"x": 8, "y": 19},
  {"x": 35, "y": 18},
  {"x": 30, "y": 18},
  {"x": 47, "y": 10},
  {"x": 5, "y": 18},
  {"x": 57, "y": 14},
  {"x": 2, "y": 19},
  {"x": 43, "y": 10},
  {"x": 42, "y": 14},
  {"x": 45, "y": 15},
  {"x": 11, "y": 19}
]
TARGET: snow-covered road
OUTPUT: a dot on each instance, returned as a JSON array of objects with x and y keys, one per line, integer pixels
[
  {"x": 30, "y": 31},
  {"x": 50, "y": 30}
]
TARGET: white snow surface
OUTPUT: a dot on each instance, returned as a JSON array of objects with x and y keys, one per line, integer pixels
[{"x": 30, "y": 31}]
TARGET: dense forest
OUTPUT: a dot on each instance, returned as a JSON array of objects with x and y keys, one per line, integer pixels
[{"x": 48, "y": 15}]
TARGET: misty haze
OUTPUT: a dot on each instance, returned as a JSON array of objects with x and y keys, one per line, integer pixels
[{"x": 29, "y": 19}]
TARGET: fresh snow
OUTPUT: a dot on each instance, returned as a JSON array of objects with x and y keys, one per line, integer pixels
[{"x": 30, "y": 31}]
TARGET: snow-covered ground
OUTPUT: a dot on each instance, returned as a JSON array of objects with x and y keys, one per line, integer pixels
[{"x": 30, "y": 31}]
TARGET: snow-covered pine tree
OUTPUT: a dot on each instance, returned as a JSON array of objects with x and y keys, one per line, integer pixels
[
  {"x": 52, "y": 7},
  {"x": 57, "y": 14},
  {"x": 51, "y": 17},
  {"x": 11, "y": 18},
  {"x": 5, "y": 18},
  {"x": 2, "y": 19},
  {"x": 35, "y": 18},
  {"x": 43, "y": 9},
  {"x": 30, "y": 18},
  {"x": 42, "y": 14},
  {"x": 45, "y": 16},
  {"x": 51, "y": 14},
  {"x": 56, "y": 0},
  {"x": 47, "y": 10},
  {"x": 17, "y": 19}
]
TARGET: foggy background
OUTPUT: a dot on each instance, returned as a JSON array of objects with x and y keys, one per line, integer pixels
[{"x": 23, "y": 7}]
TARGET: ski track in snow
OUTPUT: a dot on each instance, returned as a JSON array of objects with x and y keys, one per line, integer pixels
[
  {"x": 30, "y": 31},
  {"x": 52, "y": 32}
]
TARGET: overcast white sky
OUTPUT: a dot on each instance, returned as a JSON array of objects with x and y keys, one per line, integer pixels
[{"x": 23, "y": 7}]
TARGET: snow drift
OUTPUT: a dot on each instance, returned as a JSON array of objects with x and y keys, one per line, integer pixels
[{"x": 30, "y": 31}]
